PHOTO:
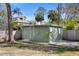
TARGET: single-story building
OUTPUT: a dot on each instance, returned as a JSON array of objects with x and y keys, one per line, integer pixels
[{"x": 41, "y": 33}]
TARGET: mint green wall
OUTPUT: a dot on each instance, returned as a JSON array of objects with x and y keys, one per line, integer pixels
[
  {"x": 56, "y": 34},
  {"x": 40, "y": 34}
]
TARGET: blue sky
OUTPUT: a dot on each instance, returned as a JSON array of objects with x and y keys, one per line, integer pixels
[{"x": 28, "y": 9}]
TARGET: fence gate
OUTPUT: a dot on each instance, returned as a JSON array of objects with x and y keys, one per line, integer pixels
[{"x": 3, "y": 22}]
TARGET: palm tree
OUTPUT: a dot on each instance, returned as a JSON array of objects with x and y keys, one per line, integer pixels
[
  {"x": 17, "y": 11},
  {"x": 9, "y": 22},
  {"x": 39, "y": 14},
  {"x": 53, "y": 15}
]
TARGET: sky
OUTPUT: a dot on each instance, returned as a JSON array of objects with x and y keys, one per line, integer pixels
[{"x": 28, "y": 9}]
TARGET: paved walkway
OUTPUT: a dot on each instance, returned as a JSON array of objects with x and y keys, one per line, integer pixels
[
  {"x": 62, "y": 43},
  {"x": 66, "y": 43}
]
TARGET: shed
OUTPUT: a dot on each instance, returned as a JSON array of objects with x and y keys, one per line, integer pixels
[{"x": 41, "y": 33}]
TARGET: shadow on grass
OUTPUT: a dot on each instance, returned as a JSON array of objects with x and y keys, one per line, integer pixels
[{"x": 40, "y": 47}]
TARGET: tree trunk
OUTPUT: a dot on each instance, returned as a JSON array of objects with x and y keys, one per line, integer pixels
[{"x": 10, "y": 39}]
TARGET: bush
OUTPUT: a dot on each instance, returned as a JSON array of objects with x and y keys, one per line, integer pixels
[
  {"x": 16, "y": 26},
  {"x": 71, "y": 24}
]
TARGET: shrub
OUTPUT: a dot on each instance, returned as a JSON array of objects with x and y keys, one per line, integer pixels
[
  {"x": 71, "y": 24},
  {"x": 16, "y": 26}
]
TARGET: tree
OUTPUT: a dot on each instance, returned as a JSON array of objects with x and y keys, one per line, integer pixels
[
  {"x": 39, "y": 15},
  {"x": 70, "y": 10},
  {"x": 16, "y": 26},
  {"x": 17, "y": 11},
  {"x": 53, "y": 15},
  {"x": 0, "y": 12},
  {"x": 9, "y": 16}
]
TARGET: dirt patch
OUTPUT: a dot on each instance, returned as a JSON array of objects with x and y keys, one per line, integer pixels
[{"x": 32, "y": 49}]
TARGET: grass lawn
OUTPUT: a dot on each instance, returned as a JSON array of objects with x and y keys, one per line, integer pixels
[{"x": 32, "y": 49}]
